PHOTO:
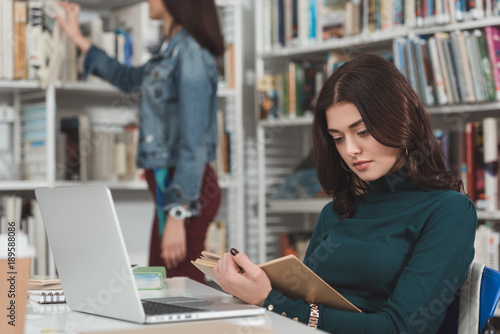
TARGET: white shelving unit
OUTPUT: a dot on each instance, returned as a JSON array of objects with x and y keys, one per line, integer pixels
[
  {"x": 233, "y": 210},
  {"x": 283, "y": 142},
  {"x": 84, "y": 96},
  {"x": 281, "y": 145}
]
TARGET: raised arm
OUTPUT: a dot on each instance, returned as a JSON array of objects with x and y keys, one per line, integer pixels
[
  {"x": 96, "y": 61},
  {"x": 71, "y": 26}
]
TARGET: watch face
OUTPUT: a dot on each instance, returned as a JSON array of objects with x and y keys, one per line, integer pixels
[{"x": 178, "y": 212}]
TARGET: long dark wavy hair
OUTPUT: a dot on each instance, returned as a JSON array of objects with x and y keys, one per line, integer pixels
[
  {"x": 200, "y": 19},
  {"x": 393, "y": 114}
]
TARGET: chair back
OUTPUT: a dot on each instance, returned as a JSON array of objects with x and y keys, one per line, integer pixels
[
  {"x": 469, "y": 306},
  {"x": 476, "y": 303},
  {"x": 490, "y": 293}
]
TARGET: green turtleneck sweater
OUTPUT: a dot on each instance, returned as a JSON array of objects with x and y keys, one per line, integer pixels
[{"x": 400, "y": 259}]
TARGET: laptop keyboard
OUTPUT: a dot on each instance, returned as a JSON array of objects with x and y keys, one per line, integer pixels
[{"x": 153, "y": 308}]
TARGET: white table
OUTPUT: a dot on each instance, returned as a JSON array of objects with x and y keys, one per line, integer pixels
[{"x": 57, "y": 318}]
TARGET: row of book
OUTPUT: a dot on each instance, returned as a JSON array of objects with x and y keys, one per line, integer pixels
[
  {"x": 452, "y": 68},
  {"x": 84, "y": 151},
  {"x": 87, "y": 148},
  {"x": 31, "y": 40},
  {"x": 482, "y": 146},
  {"x": 443, "y": 68},
  {"x": 473, "y": 155},
  {"x": 301, "y": 22},
  {"x": 91, "y": 151},
  {"x": 33, "y": 47},
  {"x": 25, "y": 213},
  {"x": 130, "y": 36},
  {"x": 293, "y": 93},
  {"x": 290, "y": 93}
]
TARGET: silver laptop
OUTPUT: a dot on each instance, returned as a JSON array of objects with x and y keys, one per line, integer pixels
[{"x": 89, "y": 251}]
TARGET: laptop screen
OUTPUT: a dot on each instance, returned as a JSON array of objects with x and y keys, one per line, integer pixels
[{"x": 89, "y": 251}]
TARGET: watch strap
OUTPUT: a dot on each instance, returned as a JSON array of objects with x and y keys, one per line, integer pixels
[{"x": 313, "y": 316}]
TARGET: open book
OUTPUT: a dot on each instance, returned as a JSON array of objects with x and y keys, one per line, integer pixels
[{"x": 291, "y": 277}]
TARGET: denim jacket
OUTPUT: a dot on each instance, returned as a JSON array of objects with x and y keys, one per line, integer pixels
[{"x": 177, "y": 106}]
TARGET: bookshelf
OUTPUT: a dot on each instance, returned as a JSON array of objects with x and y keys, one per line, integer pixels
[
  {"x": 64, "y": 98},
  {"x": 283, "y": 141}
]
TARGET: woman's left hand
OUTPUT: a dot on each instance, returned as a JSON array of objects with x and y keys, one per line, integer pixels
[
  {"x": 242, "y": 278},
  {"x": 173, "y": 244}
]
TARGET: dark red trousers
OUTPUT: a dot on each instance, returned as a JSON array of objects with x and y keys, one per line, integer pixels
[{"x": 196, "y": 227}]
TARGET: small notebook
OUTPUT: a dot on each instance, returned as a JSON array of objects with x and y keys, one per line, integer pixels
[
  {"x": 55, "y": 308},
  {"x": 47, "y": 296},
  {"x": 150, "y": 278}
]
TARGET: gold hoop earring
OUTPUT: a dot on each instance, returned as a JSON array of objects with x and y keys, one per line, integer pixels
[
  {"x": 407, "y": 153},
  {"x": 344, "y": 166}
]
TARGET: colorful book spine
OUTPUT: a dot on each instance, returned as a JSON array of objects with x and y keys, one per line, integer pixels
[
  {"x": 20, "y": 19},
  {"x": 398, "y": 18},
  {"x": 399, "y": 55},
  {"x": 474, "y": 58},
  {"x": 470, "y": 157},
  {"x": 410, "y": 18},
  {"x": 491, "y": 180},
  {"x": 313, "y": 14},
  {"x": 442, "y": 137},
  {"x": 419, "y": 10},
  {"x": 460, "y": 10},
  {"x": 411, "y": 65},
  {"x": 485, "y": 63},
  {"x": 281, "y": 22},
  {"x": 493, "y": 42},
  {"x": 447, "y": 76},
  {"x": 439, "y": 82},
  {"x": 479, "y": 167},
  {"x": 34, "y": 42},
  {"x": 453, "y": 70}
]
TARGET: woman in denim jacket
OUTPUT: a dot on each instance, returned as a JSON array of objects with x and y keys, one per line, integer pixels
[{"x": 178, "y": 130}]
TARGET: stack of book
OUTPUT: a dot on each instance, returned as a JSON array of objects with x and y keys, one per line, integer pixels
[{"x": 46, "y": 290}]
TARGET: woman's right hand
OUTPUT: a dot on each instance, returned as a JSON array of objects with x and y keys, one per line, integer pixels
[
  {"x": 242, "y": 278},
  {"x": 71, "y": 26}
]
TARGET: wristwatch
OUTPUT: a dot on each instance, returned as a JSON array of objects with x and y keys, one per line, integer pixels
[
  {"x": 314, "y": 316},
  {"x": 179, "y": 213}
]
